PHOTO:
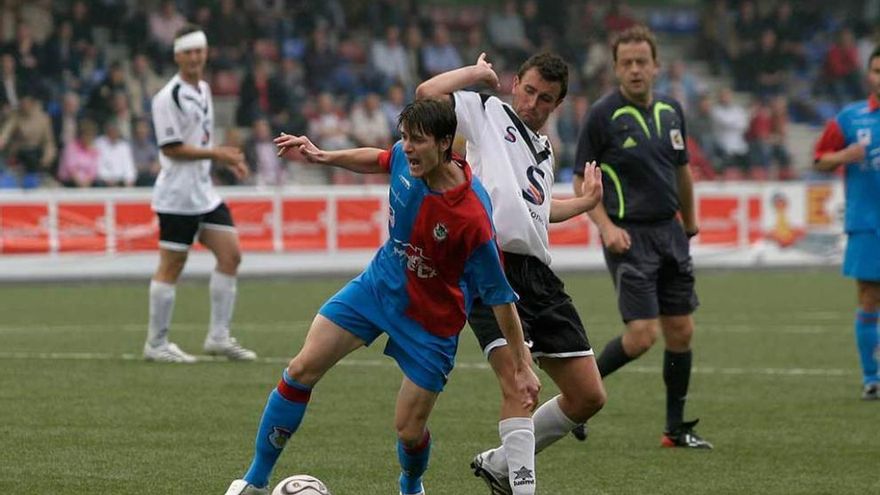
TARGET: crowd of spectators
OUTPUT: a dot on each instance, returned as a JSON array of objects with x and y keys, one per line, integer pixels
[{"x": 76, "y": 77}]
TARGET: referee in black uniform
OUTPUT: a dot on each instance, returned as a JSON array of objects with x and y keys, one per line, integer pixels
[{"x": 638, "y": 138}]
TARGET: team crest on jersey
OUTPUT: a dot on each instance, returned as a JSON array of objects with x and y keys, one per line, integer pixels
[
  {"x": 509, "y": 135},
  {"x": 279, "y": 437},
  {"x": 677, "y": 139},
  {"x": 440, "y": 232},
  {"x": 864, "y": 136}
]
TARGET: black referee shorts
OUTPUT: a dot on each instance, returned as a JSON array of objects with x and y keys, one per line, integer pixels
[
  {"x": 549, "y": 318},
  {"x": 656, "y": 276},
  {"x": 177, "y": 232}
]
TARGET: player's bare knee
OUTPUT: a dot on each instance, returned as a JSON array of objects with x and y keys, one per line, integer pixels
[
  {"x": 228, "y": 262},
  {"x": 639, "y": 341},
  {"x": 410, "y": 431},
  {"x": 300, "y": 371}
]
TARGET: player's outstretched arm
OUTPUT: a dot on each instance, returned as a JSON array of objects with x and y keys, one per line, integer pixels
[
  {"x": 229, "y": 156},
  {"x": 588, "y": 194},
  {"x": 448, "y": 82},
  {"x": 527, "y": 382},
  {"x": 360, "y": 160}
]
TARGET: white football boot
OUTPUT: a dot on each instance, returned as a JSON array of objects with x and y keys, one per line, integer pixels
[
  {"x": 229, "y": 348},
  {"x": 242, "y": 487},
  {"x": 167, "y": 353}
]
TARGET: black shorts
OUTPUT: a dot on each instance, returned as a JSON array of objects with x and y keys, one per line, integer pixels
[
  {"x": 177, "y": 232},
  {"x": 549, "y": 318},
  {"x": 656, "y": 276}
]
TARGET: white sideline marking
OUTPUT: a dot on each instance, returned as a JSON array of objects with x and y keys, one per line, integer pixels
[{"x": 369, "y": 363}]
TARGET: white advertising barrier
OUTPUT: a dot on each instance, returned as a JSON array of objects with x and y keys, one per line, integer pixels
[{"x": 54, "y": 234}]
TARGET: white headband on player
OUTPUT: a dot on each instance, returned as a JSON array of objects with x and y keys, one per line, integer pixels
[{"x": 190, "y": 41}]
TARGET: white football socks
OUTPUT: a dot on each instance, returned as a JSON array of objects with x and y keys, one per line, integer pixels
[
  {"x": 551, "y": 424},
  {"x": 518, "y": 444},
  {"x": 161, "y": 308},
  {"x": 223, "y": 290}
]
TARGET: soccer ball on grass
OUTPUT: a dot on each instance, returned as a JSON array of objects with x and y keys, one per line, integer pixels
[{"x": 301, "y": 484}]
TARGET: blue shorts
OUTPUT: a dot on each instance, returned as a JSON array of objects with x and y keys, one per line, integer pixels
[
  {"x": 862, "y": 258},
  {"x": 426, "y": 359}
]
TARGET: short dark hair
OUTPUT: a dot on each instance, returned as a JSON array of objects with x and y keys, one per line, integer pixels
[
  {"x": 635, "y": 34},
  {"x": 874, "y": 54},
  {"x": 186, "y": 29},
  {"x": 552, "y": 68},
  {"x": 431, "y": 117}
]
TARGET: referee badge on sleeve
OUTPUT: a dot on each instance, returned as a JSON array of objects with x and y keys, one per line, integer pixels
[{"x": 677, "y": 139}]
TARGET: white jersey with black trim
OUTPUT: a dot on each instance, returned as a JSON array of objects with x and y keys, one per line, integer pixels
[
  {"x": 183, "y": 113},
  {"x": 515, "y": 166}
]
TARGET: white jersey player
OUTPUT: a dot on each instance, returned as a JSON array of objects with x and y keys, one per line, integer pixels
[
  {"x": 515, "y": 164},
  {"x": 188, "y": 206}
]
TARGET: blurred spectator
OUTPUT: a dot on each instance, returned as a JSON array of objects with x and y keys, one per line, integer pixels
[
  {"x": 507, "y": 31},
  {"x": 10, "y": 85},
  {"x": 116, "y": 166},
  {"x": 699, "y": 129},
  {"x": 475, "y": 44},
  {"x": 677, "y": 81},
  {"x": 261, "y": 154},
  {"x": 619, "y": 17},
  {"x": 779, "y": 139},
  {"x": 392, "y": 106},
  {"x": 141, "y": 83},
  {"x": 717, "y": 36},
  {"x": 27, "y": 138},
  {"x": 145, "y": 154},
  {"x": 767, "y": 136},
  {"x": 321, "y": 62},
  {"x": 291, "y": 79},
  {"x": 729, "y": 124},
  {"x": 440, "y": 55},
  {"x": 81, "y": 23},
  {"x": 61, "y": 56},
  {"x": 597, "y": 63},
  {"x": 535, "y": 30},
  {"x": 228, "y": 32},
  {"x": 26, "y": 52},
  {"x": 120, "y": 115},
  {"x": 65, "y": 124},
  {"x": 571, "y": 115},
  {"x": 330, "y": 130},
  {"x": 841, "y": 70},
  {"x": 100, "y": 101},
  {"x": 758, "y": 138},
  {"x": 38, "y": 15},
  {"x": 261, "y": 95},
  {"x": 164, "y": 24},
  {"x": 770, "y": 66},
  {"x": 790, "y": 34},
  {"x": 747, "y": 33},
  {"x": 389, "y": 57},
  {"x": 79, "y": 162},
  {"x": 369, "y": 127},
  {"x": 414, "y": 43}
]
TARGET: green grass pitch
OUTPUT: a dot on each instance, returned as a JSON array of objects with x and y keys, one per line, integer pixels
[{"x": 776, "y": 386}]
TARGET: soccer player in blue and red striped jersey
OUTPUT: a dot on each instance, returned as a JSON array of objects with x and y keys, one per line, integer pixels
[
  {"x": 418, "y": 289},
  {"x": 848, "y": 140}
]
